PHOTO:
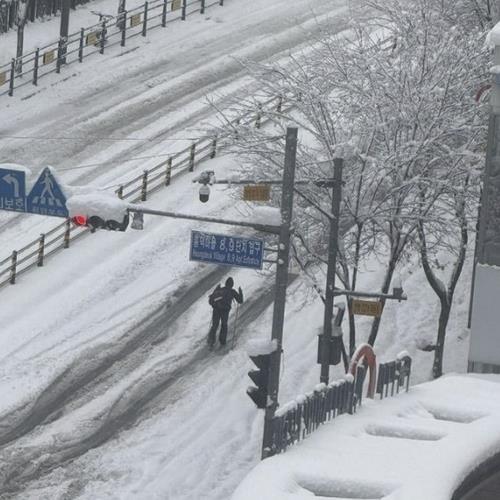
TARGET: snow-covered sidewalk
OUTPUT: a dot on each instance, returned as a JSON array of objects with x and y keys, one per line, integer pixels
[{"x": 419, "y": 445}]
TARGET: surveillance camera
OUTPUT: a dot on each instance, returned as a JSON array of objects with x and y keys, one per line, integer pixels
[{"x": 204, "y": 193}]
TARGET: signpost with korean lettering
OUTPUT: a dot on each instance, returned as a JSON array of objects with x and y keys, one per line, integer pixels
[
  {"x": 226, "y": 250},
  {"x": 12, "y": 190}
]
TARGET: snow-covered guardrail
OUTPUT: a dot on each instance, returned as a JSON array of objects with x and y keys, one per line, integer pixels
[
  {"x": 137, "y": 189},
  {"x": 112, "y": 31},
  {"x": 297, "y": 419},
  {"x": 432, "y": 443}
]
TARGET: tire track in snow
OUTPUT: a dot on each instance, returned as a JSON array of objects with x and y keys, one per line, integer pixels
[{"x": 24, "y": 461}]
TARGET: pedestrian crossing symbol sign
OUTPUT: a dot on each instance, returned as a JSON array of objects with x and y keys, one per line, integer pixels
[{"x": 46, "y": 197}]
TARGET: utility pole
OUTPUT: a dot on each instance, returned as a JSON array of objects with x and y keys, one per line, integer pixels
[
  {"x": 64, "y": 30},
  {"x": 281, "y": 285},
  {"x": 21, "y": 16},
  {"x": 326, "y": 348}
]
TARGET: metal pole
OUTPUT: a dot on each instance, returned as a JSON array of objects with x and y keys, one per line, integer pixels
[
  {"x": 330, "y": 273},
  {"x": 63, "y": 32},
  {"x": 265, "y": 228},
  {"x": 281, "y": 284},
  {"x": 20, "y": 43},
  {"x": 21, "y": 16}
]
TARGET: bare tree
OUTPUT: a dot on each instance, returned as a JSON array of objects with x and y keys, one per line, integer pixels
[{"x": 447, "y": 231}]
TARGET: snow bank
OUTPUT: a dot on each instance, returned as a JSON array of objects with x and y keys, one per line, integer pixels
[
  {"x": 103, "y": 204},
  {"x": 258, "y": 347},
  {"x": 390, "y": 448}
]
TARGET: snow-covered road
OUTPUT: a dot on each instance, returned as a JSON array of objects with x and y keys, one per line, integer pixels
[
  {"x": 108, "y": 391},
  {"x": 103, "y": 357}
]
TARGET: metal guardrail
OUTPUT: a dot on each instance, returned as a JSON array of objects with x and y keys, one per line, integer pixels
[
  {"x": 98, "y": 38},
  {"x": 296, "y": 420},
  {"x": 137, "y": 189}
]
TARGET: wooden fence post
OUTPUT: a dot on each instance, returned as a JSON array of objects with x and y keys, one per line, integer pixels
[
  {"x": 202, "y": 7},
  {"x": 80, "y": 48},
  {"x": 168, "y": 172},
  {"x": 103, "y": 37},
  {"x": 164, "y": 14},
  {"x": 35, "y": 66},
  {"x": 13, "y": 266},
  {"x": 184, "y": 5},
  {"x": 280, "y": 104},
  {"x": 124, "y": 28},
  {"x": 12, "y": 76},
  {"x": 119, "y": 192},
  {"x": 41, "y": 250},
  {"x": 214, "y": 147},
  {"x": 144, "y": 189},
  {"x": 59, "y": 54},
  {"x": 192, "y": 153},
  {"x": 145, "y": 20},
  {"x": 67, "y": 234}
]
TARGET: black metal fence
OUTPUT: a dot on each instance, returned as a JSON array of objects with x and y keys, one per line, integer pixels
[
  {"x": 395, "y": 374},
  {"x": 295, "y": 420},
  {"x": 112, "y": 31},
  {"x": 37, "y": 9}
]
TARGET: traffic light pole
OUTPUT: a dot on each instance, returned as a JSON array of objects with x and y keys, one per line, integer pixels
[
  {"x": 281, "y": 285},
  {"x": 265, "y": 228},
  {"x": 326, "y": 339}
]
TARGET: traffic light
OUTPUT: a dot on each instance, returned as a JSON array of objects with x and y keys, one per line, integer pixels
[
  {"x": 96, "y": 222},
  {"x": 260, "y": 378}
]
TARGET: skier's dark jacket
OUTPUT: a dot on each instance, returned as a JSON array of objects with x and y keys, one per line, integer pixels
[{"x": 222, "y": 297}]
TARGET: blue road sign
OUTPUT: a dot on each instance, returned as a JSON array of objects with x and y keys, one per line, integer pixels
[
  {"x": 226, "y": 250},
  {"x": 46, "y": 197},
  {"x": 12, "y": 190}
]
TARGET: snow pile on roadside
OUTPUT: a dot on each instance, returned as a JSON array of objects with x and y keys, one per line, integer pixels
[{"x": 391, "y": 448}]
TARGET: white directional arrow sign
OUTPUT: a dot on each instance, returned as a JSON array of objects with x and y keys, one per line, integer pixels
[
  {"x": 10, "y": 179},
  {"x": 12, "y": 190}
]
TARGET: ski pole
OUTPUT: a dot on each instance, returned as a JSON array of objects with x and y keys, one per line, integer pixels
[{"x": 235, "y": 324}]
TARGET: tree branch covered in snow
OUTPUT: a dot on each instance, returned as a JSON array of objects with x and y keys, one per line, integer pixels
[{"x": 395, "y": 98}]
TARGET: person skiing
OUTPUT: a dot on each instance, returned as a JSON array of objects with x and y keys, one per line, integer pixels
[{"x": 221, "y": 300}]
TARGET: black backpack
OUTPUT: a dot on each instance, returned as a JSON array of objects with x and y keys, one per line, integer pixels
[{"x": 215, "y": 298}]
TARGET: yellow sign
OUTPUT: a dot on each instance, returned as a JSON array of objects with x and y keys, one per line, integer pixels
[
  {"x": 261, "y": 192},
  {"x": 92, "y": 39},
  {"x": 48, "y": 57},
  {"x": 176, "y": 4},
  {"x": 3, "y": 78},
  {"x": 135, "y": 20},
  {"x": 367, "y": 307}
]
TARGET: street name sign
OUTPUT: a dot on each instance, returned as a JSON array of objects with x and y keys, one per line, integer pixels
[
  {"x": 226, "y": 250},
  {"x": 12, "y": 190},
  {"x": 367, "y": 307}
]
